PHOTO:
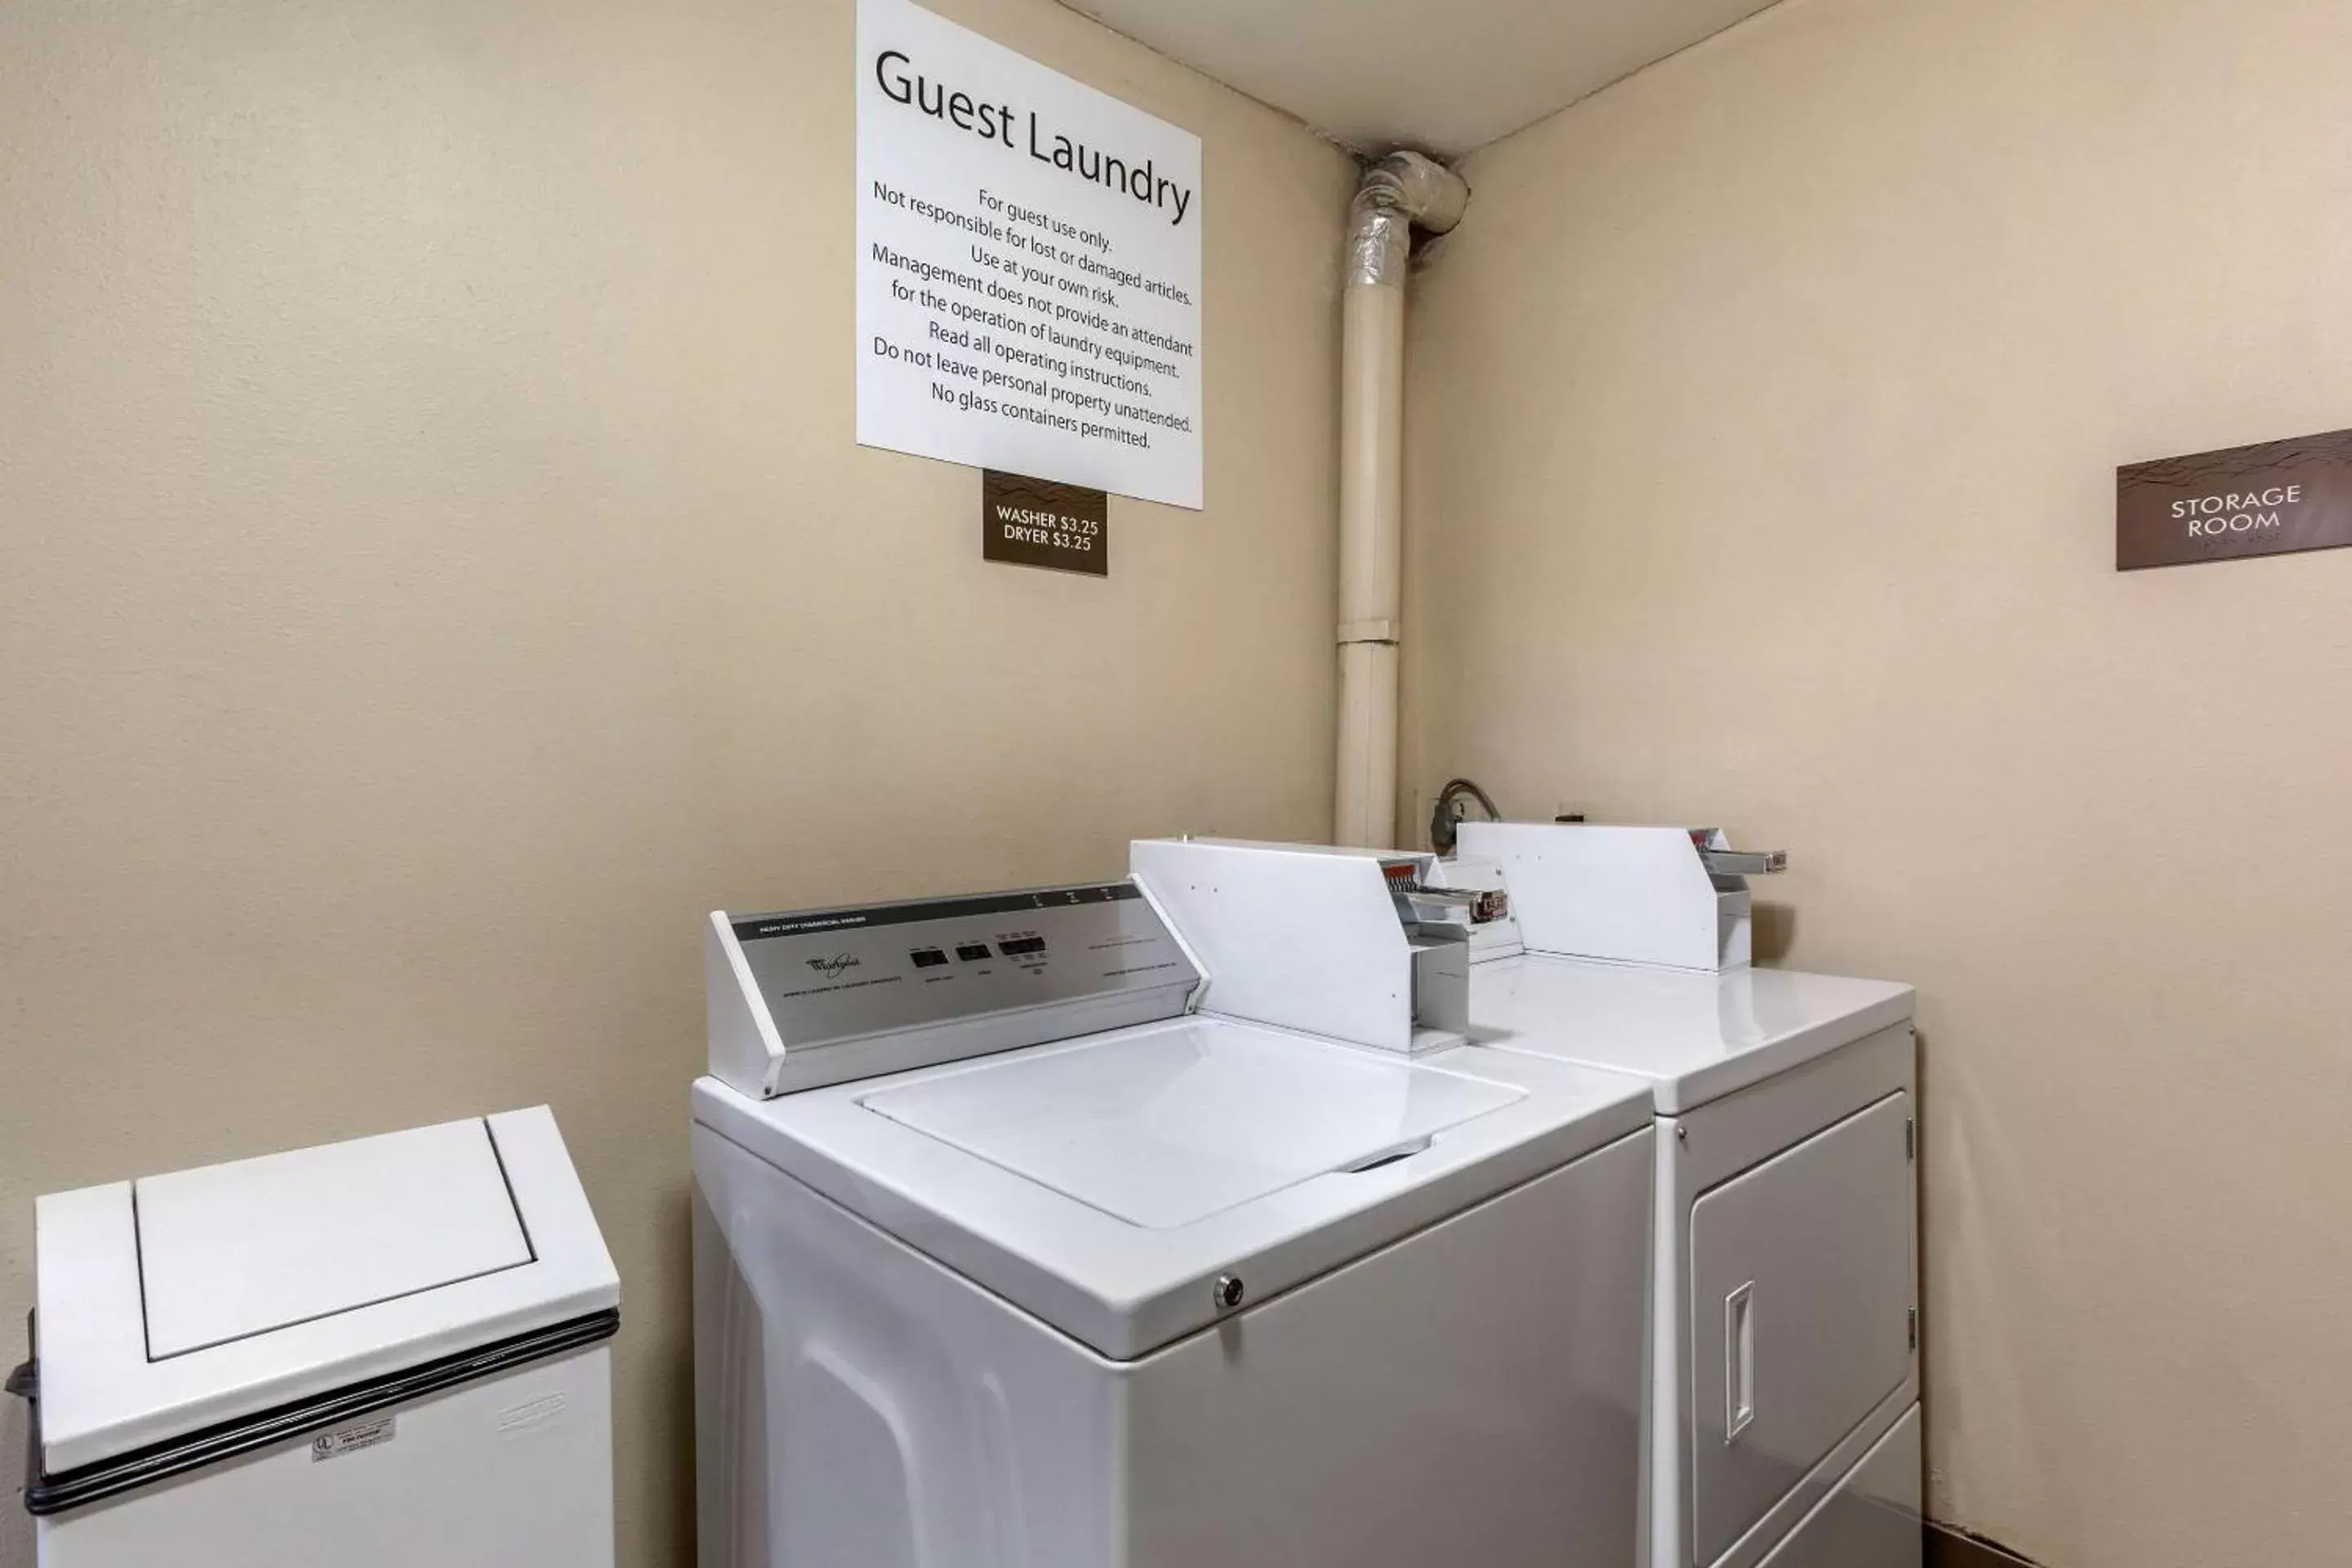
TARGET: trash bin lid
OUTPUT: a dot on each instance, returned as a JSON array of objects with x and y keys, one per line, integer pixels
[
  {"x": 235, "y": 1250},
  {"x": 173, "y": 1304}
]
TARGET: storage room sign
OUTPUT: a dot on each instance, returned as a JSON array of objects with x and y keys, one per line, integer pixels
[
  {"x": 2266, "y": 499},
  {"x": 1028, "y": 266}
]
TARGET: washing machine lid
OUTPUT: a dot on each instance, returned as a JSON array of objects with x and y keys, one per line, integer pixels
[
  {"x": 1108, "y": 1185},
  {"x": 176, "y": 1304},
  {"x": 1696, "y": 1036},
  {"x": 1187, "y": 1121}
]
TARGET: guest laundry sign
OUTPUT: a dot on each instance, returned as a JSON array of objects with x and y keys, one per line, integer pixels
[
  {"x": 1028, "y": 266},
  {"x": 2264, "y": 499}
]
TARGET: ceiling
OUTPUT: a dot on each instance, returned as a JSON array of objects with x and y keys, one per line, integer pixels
[{"x": 1444, "y": 76}]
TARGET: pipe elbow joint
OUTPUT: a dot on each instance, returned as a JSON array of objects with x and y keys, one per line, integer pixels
[{"x": 1403, "y": 192}]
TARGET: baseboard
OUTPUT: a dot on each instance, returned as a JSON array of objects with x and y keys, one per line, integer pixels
[{"x": 1950, "y": 1548}]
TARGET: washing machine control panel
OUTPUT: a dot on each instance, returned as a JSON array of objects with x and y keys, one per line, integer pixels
[{"x": 829, "y": 975}]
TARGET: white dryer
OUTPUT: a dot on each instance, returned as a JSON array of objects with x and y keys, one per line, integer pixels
[
  {"x": 1099, "y": 1276},
  {"x": 1784, "y": 1414}
]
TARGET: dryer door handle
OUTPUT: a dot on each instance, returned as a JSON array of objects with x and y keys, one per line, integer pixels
[{"x": 1739, "y": 1362}]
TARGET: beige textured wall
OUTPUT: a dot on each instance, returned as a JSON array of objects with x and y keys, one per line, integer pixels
[
  {"x": 435, "y": 569},
  {"x": 1760, "y": 462}
]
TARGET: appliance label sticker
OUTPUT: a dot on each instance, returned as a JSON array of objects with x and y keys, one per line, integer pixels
[
  {"x": 1028, "y": 267},
  {"x": 350, "y": 1439}
]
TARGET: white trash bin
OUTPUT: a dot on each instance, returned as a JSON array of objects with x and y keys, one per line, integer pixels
[{"x": 390, "y": 1352}]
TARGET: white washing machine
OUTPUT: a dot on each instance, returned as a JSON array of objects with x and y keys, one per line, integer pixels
[
  {"x": 1784, "y": 1416},
  {"x": 1015, "y": 1248}
]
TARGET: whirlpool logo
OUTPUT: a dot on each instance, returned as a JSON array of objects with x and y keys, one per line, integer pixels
[{"x": 832, "y": 965}]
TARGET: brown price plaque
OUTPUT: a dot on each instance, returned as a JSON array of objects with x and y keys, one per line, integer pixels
[
  {"x": 1037, "y": 522},
  {"x": 2266, "y": 499}
]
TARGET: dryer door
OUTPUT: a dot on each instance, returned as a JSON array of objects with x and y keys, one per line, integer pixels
[{"x": 1800, "y": 1273}]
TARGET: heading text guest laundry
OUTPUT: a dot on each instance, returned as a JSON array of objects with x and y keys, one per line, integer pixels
[{"x": 996, "y": 122}]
